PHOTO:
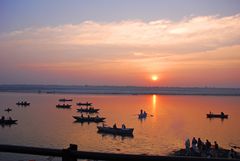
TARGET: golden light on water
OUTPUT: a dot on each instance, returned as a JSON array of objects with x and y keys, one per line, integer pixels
[{"x": 154, "y": 101}]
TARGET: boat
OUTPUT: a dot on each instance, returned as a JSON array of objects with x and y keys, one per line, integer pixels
[
  {"x": 84, "y": 104},
  {"x": 63, "y": 106},
  {"x": 89, "y": 119},
  {"x": 65, "y": 100},
  {"x": 23, "y": 103},
  {"x": 142, "y": 115},
  {"x": 115, "y": 131},
  {"x": 88, "y": 110},
  {"x": 7, "y": 122},
  {"x": 8, "y": 109},
  {"x": 221, "y": 115}
]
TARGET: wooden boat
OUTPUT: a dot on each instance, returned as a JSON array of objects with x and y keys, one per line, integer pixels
[
  {"x": 88, "y": 110},
  {"x": 8, "y": 109},
  {"x": 23, "y": 103},
  {"x": 63, "y": 106},
  {"x": 84, "y": 104},
  {"x": 7, "y": 122},
  {"x": 115, "y": 131},
  {"x": 89, "y": 119},
  {"x": 222, "y": 116},
  {"x": 65, "y": 100}
]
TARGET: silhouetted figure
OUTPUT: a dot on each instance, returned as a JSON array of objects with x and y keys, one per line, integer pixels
[
  {"x": 216, "y": 147},
  {"x": 81, "y": 115},
  {"x": 208, "y": 145},
  {"x": 200, "y": 144},
  {"x": 187, "y": 146},
  {"x": 222, "y": 113},
  {"x": 3, "y": 118},
  {"x": 123, "y": 126},
  {"x": 194, "y": 142},
  {"x": 114, "y": 126},
  {"x": 141, "y": 111},
  {"x": 232, "y": 154}
]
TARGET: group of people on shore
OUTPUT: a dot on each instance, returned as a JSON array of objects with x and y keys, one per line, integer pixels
[{"x": 198, "y": 148}]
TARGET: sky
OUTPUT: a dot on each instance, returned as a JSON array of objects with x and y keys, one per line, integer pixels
[{"x": 186, "y": 43}]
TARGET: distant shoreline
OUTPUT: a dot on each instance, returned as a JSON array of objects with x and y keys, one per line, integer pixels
[{"x": 120, "y": 90}]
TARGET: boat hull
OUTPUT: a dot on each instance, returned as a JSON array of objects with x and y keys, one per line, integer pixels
[
  {"x": 89, "y": 119},
  {"x": 217, "y": 116},
  {"x": 64, "y": 106},
  {"x": 116, "y": 131},
  {"x": 8, "y": 122},
  {"x": 88, "y": 110}
]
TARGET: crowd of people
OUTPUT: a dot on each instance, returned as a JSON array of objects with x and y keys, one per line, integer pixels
[{"x": 198, "y": 148}]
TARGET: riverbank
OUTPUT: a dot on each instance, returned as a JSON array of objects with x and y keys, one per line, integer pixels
[{"x": 124, "y": 90}]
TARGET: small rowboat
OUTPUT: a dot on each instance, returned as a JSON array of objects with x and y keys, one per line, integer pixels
[
  {"x": 115, "y": 131},
  {"x": 88, "y": 110},
  {"x": 63, "y": 106},
  {"x": 23, "y": 103},
  {"x": 142, "y": 115},
  {"x": 222, "y": 116},
  {"x": 89, "y": 119},
  {"x": 65, "y": 100},
  {"x": 84, "y": 104},
  {"x": 7, "y": 122}
]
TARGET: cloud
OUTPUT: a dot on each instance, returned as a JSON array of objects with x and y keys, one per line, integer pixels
[{"x": 188, "y": 35}]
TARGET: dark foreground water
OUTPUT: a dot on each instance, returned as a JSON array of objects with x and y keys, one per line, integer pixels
[{"x": 174, "y": 119}]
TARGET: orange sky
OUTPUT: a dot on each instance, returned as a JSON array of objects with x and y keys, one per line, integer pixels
[{"x": 194, "y": 51}]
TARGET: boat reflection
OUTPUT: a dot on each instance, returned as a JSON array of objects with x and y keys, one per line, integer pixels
[{"x": 122, "y": 137}]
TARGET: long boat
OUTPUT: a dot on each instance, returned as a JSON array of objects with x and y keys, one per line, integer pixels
[
  {"x": 222, "y": 116},
  {"x": 89, "y": 119},
  {"x": 63, "y": 106},
  {"x": 8, "y": 109},
  {"x": 23, "y": 103},
  {"x": 7, "y": 122},
  {"x": 84, "y": 104},
  {"x": 65, "y": 100},
  {"x": 115, "y": 131},
  {"x": 88, "y": 110}
]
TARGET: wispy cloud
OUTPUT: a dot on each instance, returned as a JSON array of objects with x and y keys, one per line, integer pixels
[
  {"x": 188, "y": 35},
  {"x": 127, "y": 48}
]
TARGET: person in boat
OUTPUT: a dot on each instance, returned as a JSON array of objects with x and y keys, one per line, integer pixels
[
  {"x": 10, "y": 118},
  {"x": 222, "y": 113},
  {"x": 187, "y": 146},
  {"x": 97, "y": 116},
  {"x": 3, "y": 118},
  {"x": 141, "y": 112},
  {"x": 88, "y": 117},
  {"x": 115, "y": 126},
  {"x": 81, "y": 115},
  {"x": 123, "y": 126}
]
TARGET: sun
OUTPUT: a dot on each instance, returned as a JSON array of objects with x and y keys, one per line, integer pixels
[{"x": 154, "y": 77}]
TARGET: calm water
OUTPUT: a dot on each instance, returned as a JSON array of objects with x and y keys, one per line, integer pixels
[{"x": 174, "y": 119}]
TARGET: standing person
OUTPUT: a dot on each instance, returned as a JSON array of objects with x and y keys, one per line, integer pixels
[
  {"x": 187, "y": 145},
  {"x": 194, "y": 142},
  {"x": 216, "y": 148},
  {"x": 208, "y": 145},
  {"x": 199, "y": 144}
]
